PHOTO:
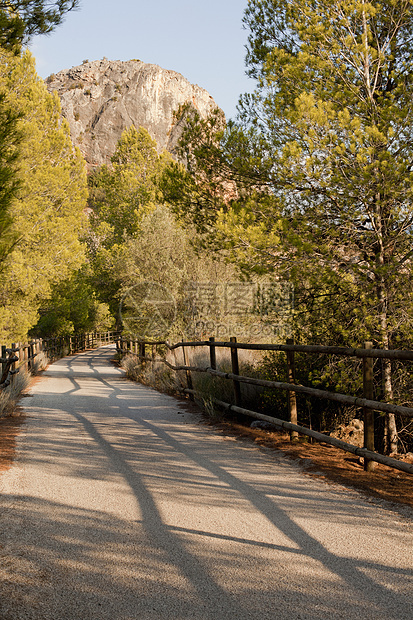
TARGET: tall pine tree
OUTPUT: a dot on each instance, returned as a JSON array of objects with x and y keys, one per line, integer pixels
[
  {"x": 48, "y": 211},
  {"x": 321, "y": 162}
]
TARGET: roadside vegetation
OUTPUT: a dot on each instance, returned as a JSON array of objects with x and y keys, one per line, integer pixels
[
  {"x": 319, "y": 166},
  {"x": 10, "y": 396}
]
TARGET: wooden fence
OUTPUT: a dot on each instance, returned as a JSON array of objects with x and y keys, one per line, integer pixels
[
  {"x": 368, "y": 405},
  {"x": 21, "y": 355}
]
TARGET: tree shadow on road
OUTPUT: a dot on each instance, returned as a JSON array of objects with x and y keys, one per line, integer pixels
[{"x": 239, "y": 547}]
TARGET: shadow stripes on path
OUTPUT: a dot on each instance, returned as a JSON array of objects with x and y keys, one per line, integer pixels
[{"x": 122, "y": 505}]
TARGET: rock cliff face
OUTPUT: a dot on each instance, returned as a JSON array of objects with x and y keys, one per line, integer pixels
[{"x": 102, "y": 98}]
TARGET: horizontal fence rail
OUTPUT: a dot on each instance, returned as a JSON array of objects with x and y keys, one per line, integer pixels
[
  {"x": 137, "y": 347},
  {"x": 396, "y": 354},
  {"x": 321, "y": 437}
]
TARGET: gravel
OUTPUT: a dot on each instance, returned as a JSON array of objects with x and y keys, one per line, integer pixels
[{"x": 121, "y": 507}]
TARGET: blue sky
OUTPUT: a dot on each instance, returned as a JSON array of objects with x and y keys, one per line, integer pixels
[{"x": 202, "y": 39}]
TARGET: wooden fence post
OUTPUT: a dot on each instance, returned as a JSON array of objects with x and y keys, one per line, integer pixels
[
  {"x": 212, "y": 354},
  {"x": 3, "y": 357},
  {"x": 142, "y": 354},
  {"x": 368, "y": 414},
  {"x": 30, "y": 357},
  {"x": 15, "y": 345},
  {"x": 189, "y": 383},
  {"x": 235, "y": 371},
  {"x": 291, "y": 396}
]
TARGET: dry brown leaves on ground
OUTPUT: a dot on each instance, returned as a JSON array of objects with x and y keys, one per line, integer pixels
[
  {"x": 9, "y": 429},
  {"x": 331, "y": 464}
]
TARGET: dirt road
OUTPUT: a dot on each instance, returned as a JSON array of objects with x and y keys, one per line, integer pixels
[{"x": 122, "y": 506}]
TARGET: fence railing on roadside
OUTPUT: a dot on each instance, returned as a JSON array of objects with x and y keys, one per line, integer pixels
[
  {"x": 368, "y": 405},
  {"x": 21, "y": 355}
]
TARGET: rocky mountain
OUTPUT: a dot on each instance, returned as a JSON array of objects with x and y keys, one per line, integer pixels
[{"x": 102, "y": 98}]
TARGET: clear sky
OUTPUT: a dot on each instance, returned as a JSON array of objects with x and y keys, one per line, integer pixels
[{"x": 202, "y": 39}]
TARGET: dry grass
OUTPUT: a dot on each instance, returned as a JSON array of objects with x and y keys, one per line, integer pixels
[
  {"x": 208, "y": 387},
  {"x": 10, "y": 396},
  {"x": 156, "y": 375}
]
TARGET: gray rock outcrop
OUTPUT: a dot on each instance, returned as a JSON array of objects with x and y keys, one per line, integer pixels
[
  {"x": 353, "y": 432},
  {"x": 100, "y": 99}
]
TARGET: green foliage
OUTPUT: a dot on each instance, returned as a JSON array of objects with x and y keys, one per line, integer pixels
[
  {"x": 72, "y": 308},
  {"x": 320, "y": 161},
  {"x": 120, "y": 198},
  {"x": 137, "y": 246},
  {"x": 320, "y": 166},
  {"x": 20, "y": 20},
  {"x": 162, "y": 256},
  {"x": 48, "y": 212},
  {"x": 197, "y": 188},
  {"x": 121, "y": 195},
  {"x": 8, "y": 181}
]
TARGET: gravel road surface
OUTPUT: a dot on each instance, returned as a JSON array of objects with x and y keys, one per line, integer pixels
[{"x": 121, "y": 505}]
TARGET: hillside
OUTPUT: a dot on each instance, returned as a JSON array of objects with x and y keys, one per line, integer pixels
[{"x": 102, "y": 98}]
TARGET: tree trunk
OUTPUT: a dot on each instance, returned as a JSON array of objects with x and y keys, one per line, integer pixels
[{"x": 390, "y": 429}]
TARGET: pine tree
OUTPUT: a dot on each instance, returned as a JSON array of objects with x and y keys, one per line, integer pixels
[
  {"x": 9, "y": 139},
  {"x": 20, "y": 20},
  {"x": 321, "y": 161},
  {"x": 48, "y": 212},
  {"x": 124, "y": 192}
]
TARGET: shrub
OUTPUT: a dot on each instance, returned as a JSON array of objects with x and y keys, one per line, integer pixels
[{"x": 76, "y": 85}]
